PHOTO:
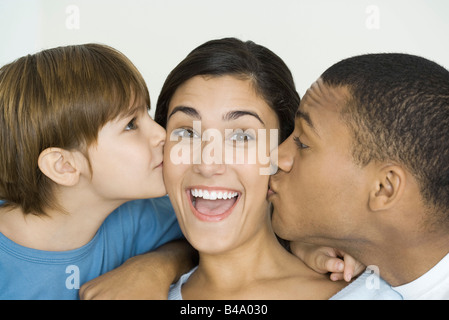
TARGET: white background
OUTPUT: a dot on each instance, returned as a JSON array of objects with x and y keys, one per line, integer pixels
[{"x": 310, "y": 35}]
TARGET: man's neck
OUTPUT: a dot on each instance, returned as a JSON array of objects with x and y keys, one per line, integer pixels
[{"x": 401, "y": 263}]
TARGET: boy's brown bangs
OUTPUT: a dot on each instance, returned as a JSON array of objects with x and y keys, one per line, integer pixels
[
  {"x": 116, "y": 97},
  {"x": 125, "y": 102}
]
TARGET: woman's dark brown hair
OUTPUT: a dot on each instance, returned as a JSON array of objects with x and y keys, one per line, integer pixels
[{"x": 269, "y": 74}]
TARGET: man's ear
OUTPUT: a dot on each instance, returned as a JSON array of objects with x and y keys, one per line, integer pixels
[
  {"x": 59, "y": 165},
  {"x": 388, "y": 187}
]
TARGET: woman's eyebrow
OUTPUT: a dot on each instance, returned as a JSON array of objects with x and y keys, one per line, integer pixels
[
  {"x": 187, "y": 110},
  {"x": 232, "y": 115}
]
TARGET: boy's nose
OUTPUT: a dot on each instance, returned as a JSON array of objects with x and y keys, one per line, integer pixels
[{"x": 158, "y": 134}]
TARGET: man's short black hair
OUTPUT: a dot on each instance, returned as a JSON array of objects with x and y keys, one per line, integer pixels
[{"x": 399, "y": 111}]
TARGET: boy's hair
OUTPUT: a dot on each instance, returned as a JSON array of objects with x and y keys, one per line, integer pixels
[
  {"x": 399, "y": 111},
  {"x": 59, "y": 97}
]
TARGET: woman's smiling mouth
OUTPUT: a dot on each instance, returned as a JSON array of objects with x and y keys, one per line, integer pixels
[{"x": 212, "y": 204}]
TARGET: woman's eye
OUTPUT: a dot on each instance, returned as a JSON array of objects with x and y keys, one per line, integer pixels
[
  {"x": 132, "y": 125},
  {"x": 242, "y": 136},
  {"x": 185, "y": 133},
  {"x": 299, "y": 143}
]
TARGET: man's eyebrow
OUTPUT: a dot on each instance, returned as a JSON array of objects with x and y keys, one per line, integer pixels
[
  {"x": 232, "y": 115},
  {"x": 187, "y": 110},
  {"x": 306, "y": 117}
]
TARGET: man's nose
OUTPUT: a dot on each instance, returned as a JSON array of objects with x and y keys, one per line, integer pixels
[{"x": 283, "y": 158}]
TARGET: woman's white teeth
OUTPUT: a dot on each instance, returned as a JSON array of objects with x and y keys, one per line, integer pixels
[{"x": 213, "y": 195}]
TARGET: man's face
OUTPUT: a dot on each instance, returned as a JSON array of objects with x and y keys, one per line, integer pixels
[{"x": 320, "y": 194}]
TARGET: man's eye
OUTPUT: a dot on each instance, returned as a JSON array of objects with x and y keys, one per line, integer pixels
[
  {"x": 299, "y": 143},
  {"x": 132, "y": 125}
]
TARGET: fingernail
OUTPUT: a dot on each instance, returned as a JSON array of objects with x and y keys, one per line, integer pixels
[
  {"x": 348, "y": 277},
  {"x": 340, "y": 266}
]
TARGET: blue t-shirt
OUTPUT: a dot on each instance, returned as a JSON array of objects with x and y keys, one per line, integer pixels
[{"x": 134, "y": 228}]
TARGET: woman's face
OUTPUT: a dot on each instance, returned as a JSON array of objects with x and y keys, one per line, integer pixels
[{"x": 215, "y": 161}]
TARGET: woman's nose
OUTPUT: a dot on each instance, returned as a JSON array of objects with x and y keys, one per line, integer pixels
[{"x": 209, "y": 161}]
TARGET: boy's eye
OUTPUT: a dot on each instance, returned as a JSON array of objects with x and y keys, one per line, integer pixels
[{"x": 132, "y": 125}]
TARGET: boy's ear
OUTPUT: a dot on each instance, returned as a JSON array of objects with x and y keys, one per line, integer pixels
[
  {"x": 59, "y": 165},
  {"x": 388, "y": 187}
]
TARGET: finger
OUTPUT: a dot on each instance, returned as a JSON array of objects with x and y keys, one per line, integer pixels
[
  {"x": 81, "y": 292},
  {"x": 325, "y": 264},
  {"x": 335, "y": 265},
  {"x": 336, "y": 276},
  {"x": 86, "y": 292},
  {"x": 349, "y": 268}
]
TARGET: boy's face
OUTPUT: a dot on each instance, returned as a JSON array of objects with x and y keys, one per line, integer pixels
[{"x": 127, "y": 158}]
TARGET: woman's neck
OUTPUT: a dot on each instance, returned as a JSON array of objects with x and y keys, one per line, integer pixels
[{"x": 261, "y": 258}]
